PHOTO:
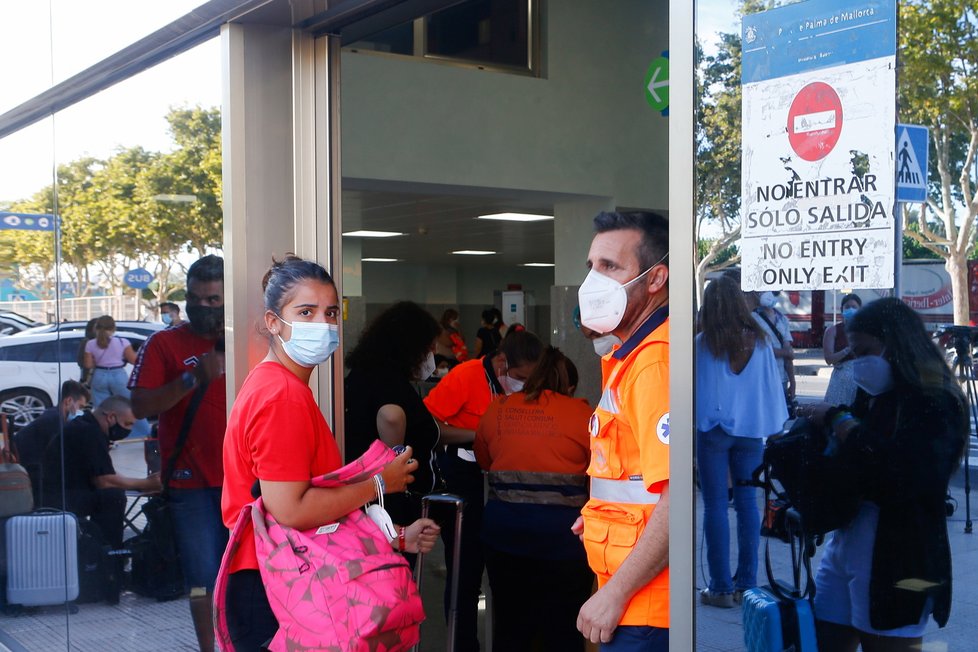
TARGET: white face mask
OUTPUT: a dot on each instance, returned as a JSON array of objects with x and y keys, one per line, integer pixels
[
  {"x": 427, "y": 367},
  {"x": 604, "y": 344},
  {"x": 768, "y": 300},
  {"x": 312, "y": 343},
  {"x": 872, "y": 374},
  {"x": 511, "y": 385},
  {"x": 603, "y": 300}
]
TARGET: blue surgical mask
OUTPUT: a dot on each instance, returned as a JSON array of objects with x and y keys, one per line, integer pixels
[
  {"x": 849, "y": 313},
  {"x": 872, "y": 374},
  {"x": 166, "y": 318},
  {"x": 312, "y": 343}
]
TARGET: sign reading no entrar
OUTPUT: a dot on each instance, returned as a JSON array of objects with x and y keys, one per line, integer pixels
[{"x": 818, "y": 161}]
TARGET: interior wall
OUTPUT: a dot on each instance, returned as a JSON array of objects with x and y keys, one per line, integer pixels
[
  {"x": 470, "y": 290},
  {"x": 407, "y": 119}
]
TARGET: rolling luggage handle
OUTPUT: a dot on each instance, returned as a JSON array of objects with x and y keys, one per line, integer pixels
[{"x": 445, "y": 499}]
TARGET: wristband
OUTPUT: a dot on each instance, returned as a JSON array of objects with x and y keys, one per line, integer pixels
[
  {"x": 401, "y": 540},
  {"x": 380, "y": 486},
  {"x": 840, "y": 416}
]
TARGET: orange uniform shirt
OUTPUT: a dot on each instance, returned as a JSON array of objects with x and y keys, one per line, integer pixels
[
  {"x": 461, "y": 397},
  {"x": 630, "y": 447}
]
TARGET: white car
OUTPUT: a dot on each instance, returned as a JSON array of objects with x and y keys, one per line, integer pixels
[
  {"x": 33, "y": 366},
  {"x": 13, "y": 322}
]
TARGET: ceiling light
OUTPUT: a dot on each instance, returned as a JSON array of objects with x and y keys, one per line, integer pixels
[
  {"x": 515, "y": 217},
  {"x": 472, "y": 252},
  {"x": 372, "y": 234},
  {"x": 537, "y": 265},
  {"x": 380, "y": 260}
]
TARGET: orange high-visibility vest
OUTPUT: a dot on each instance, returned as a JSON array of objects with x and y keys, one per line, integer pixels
[{"x": 630, "y": 462}]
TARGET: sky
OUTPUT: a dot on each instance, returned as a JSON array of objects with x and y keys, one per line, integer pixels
[{"x": 47, "y": 41}]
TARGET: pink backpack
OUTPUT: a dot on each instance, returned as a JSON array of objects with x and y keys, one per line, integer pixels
[{"x": 340, "y": 587}]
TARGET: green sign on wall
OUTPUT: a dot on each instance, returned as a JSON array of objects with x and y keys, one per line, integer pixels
[{"x": 657, "y": 84}]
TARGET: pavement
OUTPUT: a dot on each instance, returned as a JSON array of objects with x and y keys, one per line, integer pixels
[{"x": 144, "y": 625}]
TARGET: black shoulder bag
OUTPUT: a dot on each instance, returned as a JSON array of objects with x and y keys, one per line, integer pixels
[{"x": 156, "y": 571}]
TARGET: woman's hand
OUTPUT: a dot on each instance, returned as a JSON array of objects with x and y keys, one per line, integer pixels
[
  {"x": 421, "y": 535},
  {"x": 397, "y": 475},
  {"x": 815, "y": 411}
]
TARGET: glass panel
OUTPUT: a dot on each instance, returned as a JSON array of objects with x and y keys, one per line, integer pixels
[
  {"x": 486, "y": 31},
  {"x": 892, "y": 564},
  {"x": 133, "y": 174},
  {"x": 396, "y": 40}
]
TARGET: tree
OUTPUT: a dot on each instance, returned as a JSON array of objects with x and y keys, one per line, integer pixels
[
  {"x": 938, "y": 87},
  {"x": 718, "y": 152}
]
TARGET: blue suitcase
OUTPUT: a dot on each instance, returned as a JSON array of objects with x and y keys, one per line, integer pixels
[{"x": 773, "y": 624}]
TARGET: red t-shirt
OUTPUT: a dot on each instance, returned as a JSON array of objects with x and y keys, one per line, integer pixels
[
  {"x": 163, "y": 357},
  {"x": 461, "y": 398},
  {"x": 275, "y": 432}
]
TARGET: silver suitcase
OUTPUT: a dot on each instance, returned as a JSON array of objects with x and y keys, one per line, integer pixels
[{"x": 42, "y": 558}]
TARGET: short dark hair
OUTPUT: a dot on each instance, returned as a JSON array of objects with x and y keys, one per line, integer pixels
[
  {"x": 114, "y": 403},
  {"x": 75, "y": 390},
  {"x": 521, "y": 347},
  {"x": 852, "y": 296},
  {"x": 206, "y": 269},
  {"x": 398, "y": 340},
  {"x": 283, "y": 275},
  {"x": 653, "y": 227},
  {"x": 169, "y": 305}
]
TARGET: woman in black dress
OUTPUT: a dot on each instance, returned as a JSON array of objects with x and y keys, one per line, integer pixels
[{"x": 395, "y": 351}]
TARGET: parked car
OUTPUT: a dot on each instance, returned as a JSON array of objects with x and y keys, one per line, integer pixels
[
  {"x": 146, "y": 328},
  {"x": 33, "y": 365},
  {"x": 13, "y": 322}
]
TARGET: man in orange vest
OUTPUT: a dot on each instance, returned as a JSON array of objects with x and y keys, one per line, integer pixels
[{"x": 625, "y": 524}]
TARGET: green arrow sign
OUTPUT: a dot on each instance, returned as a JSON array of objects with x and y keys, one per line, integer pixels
[{"x": 657, "y": 84}]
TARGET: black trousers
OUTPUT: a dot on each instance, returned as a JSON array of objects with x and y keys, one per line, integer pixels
[
  {"x": 251, "y": 622},
  {"x": 465, "y": 480},
  {"x": 535, "y": 602}
]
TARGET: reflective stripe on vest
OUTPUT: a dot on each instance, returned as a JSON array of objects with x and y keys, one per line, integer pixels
[
  {"x": 538, "y": 488},
  {"x": 622, "y": 491}
]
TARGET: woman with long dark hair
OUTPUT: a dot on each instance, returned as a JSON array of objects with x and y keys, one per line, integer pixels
[
  {"x": 535, "y": 446},
  {"x": 394, "y": 352},
  {"x": 739, "y": 401},
  {"x": 885, "y": 573}
]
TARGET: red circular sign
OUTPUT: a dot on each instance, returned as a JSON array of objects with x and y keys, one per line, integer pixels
[{"x": 815, "y": 121}]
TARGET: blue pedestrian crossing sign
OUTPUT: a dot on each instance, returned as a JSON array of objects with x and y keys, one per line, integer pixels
[{"x": 911, "y": 163}]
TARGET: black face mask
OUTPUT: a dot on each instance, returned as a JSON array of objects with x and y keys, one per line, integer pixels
[
  {"x": 206, "y": 320},
  {"x": 117, "y": 432}
]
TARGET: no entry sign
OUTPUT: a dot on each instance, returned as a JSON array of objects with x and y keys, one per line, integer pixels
[{"x": 815, "y": 121}]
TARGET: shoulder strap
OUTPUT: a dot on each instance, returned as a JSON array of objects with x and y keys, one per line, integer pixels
[
  {"x": 188, "y": 419},
  {"x": 773, "y": 328}
]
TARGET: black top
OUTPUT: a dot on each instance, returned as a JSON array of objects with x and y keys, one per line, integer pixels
[
  {"x": 86, "y": 456},
  {"x": 365, "y": 393},
  {"x": 491, "y": 337},
  {"x": 906, "y": 448},
  {"x": 31, "y": 440}
]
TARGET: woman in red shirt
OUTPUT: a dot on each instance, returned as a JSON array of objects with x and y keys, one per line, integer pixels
[{"x": 278, "y": 437}]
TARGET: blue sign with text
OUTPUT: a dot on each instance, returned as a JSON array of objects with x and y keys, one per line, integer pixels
[
  {"x": 816, "y": 34},
  {"x": 26, "y": 221},
  {"x": 138, "y": 278}
]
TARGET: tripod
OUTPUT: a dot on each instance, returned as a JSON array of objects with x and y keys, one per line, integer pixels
[{"x": 964, "y": 370}]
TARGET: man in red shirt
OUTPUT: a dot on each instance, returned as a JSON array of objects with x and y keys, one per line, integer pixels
[{"x": 174, "y": 365}]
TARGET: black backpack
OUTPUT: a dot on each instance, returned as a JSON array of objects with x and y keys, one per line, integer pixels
[
  {"x": 156, "y": 571},
  {"x": 803, "y": 471}
]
